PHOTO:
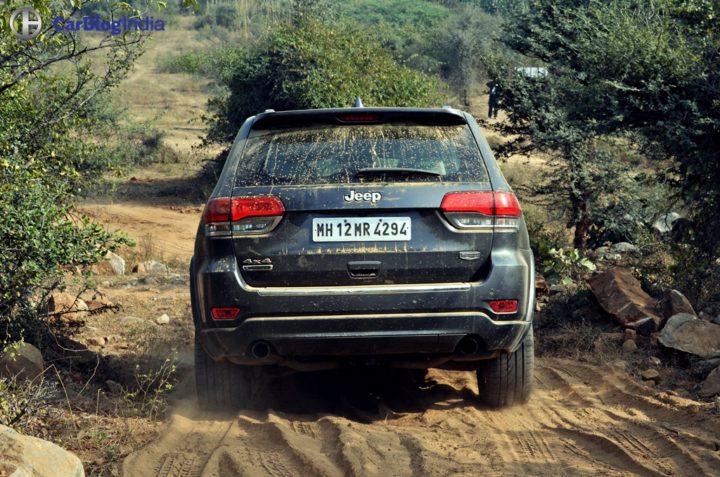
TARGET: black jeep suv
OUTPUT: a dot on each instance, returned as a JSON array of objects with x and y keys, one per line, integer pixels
[{"x": 362, "y": 236}]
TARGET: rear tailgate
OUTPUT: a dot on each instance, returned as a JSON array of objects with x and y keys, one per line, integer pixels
[{"x": 339, "y": 226}]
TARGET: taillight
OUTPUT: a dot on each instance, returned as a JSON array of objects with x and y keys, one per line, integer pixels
[
  {"x": 225, "y": 313},
  {"x": 481, "y": 210},
  {"x": 503, "y": 306},
  {"x": 257, "y": 215}
]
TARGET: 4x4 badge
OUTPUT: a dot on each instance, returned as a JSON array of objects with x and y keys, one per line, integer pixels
[
  {"x": 362, "y": 196},
  {"x": 255, "y": 261}
]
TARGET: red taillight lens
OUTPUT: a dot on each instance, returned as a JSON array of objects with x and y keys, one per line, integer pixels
[
  {"x": 217, "y": 210},
  {"x": 242, "y": 215},
  {"x": 481, "y": 210},
  {"x": 478, "y": 202},
  {"x": 487, "y": 203},
  {"x": 503, "y": 306},
  {"x": 262, "y": 206},
  {"x": 225, "y": 313}
]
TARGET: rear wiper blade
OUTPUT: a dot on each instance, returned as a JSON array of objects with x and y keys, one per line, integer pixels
[{"x": 395, "y": 171}]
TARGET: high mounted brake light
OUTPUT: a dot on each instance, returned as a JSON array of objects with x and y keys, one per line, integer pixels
[
  {"x": 358, "y": 118},
  {"x": 481, "y": 210},
  {"x": 225, "y": 216}
]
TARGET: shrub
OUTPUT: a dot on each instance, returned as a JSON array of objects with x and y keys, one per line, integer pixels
[{"x": 312, "y": 65}]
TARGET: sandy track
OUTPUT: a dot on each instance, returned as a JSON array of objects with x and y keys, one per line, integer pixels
[{"x": 582, "y": 420}]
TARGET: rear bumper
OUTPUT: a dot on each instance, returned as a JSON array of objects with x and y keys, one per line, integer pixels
[
  {"x": 337, "y": 337},
  {"x": 342, "y": 323}
]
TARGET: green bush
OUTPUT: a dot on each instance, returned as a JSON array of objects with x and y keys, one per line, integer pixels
[{"x": 313, "y": 65}]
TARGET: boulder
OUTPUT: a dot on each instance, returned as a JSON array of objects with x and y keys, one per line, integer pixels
[
  {"x": 116, "y": 262},
  {"x": 22, "y": 360},
  {"x": 624, "y": 247},
  {"x": 674, "y": 302},
  {"x": 665, "y": 222},
  {"x": 684, "y": 332},
  {"x": 25, "y": 456},
  {"x": 621, "y": 295},
  {"x": 67, "y": 308},
  {"x": 153, "y": 266},
  {"x": 711, "y": 385}
]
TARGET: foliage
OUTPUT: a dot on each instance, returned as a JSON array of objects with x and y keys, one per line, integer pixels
[
  {"x": 308, "y": 64},
  {"x": 52, "y": 109},
  {"x": 566, "y": 267},
  {"x": 148, "y": 395},
  {"x": 654, "y": 80},
  {"x": 20, "y": 398}
]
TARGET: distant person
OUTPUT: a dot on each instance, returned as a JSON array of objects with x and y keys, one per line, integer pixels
[{"x": 493, "y": 99}]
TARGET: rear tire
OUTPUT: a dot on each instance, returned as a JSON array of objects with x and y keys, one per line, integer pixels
[
  {"x": 220, "y": 385},
  {"x": 508, "y": 379}
]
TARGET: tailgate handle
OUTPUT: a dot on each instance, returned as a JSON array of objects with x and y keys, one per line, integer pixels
[{"x": 364, "y": 269}]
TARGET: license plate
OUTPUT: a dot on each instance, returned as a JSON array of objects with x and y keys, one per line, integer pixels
[{"x": 361, "y": 229}]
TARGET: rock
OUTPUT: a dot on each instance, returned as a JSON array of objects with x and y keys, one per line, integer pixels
[
  {"x": 96, "y": 341},
  {"x": 674, "y": 302},
  {"x": 163, "y": 319},
  {"x": 139, "y": 268},
  {"x": 620, "y": 364},
  {"x": 22, "y": 360},
  {"x": 613, "y": 256},
  {"x": 106, "y": 284},
  {"x": 652, "y": 361},
  {"x": 153, "y": 266},
  {"x": 645, "y": 326},
  {"x": 684, "y": 332},
  {"x": 114, "y": 387},
  {"x": 650, "y": 375},
  {"x": 624, "y": 247},
  {"x": 629, "y": 346},
  {"x": 630, "y": 334},
  {"x": 66, "y": 307},
  {"x": 541, "y": 286},
  {"x": 558, "y": 288},
  {"x": 150, "y": 266},
  {"x": 132, "y": 321},
  {"x": 711, "y": 385},
  {"x": 25, "y": 456},
  {"x": 600, "y": 251},
  {"x": 716, "y": 320},
  {"x": 117, "y": 263},
  {"x": 665, "y": 222},
  {"x": 621, "y": 295}
]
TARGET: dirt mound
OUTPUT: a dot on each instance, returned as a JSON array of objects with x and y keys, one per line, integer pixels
[{"x": 582, "y": 420}]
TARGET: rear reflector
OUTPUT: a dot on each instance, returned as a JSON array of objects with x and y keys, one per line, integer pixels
[
  {"x": 503, "y": 306},
  {"x": 225, "y": 313},
  {"x": 503, "y": 204}
]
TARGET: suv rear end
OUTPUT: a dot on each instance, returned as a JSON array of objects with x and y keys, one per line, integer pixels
[{"x": 362, "y": 236}]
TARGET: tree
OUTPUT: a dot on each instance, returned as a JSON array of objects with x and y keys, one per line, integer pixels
[
  {"x": 626, "y": 71},
  {"x": 310, "y": 64},
  {"x": 50, "y": 95}
]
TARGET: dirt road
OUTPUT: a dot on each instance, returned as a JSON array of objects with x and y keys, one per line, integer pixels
[{"x": 582, "y": 420}]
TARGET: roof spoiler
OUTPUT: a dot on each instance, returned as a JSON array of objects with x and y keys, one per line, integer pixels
[{"x": 362, "y": 115}]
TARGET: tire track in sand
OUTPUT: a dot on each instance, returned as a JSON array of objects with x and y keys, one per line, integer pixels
[{"x": 581, "y": 420}]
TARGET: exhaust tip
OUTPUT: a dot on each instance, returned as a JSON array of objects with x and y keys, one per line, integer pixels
[
  {"x": 260, "y": 350},
  {"x": 469, "y": 345}
]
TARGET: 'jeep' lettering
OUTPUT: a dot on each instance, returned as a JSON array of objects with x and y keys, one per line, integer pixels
[{"x": 362, "y": 196}]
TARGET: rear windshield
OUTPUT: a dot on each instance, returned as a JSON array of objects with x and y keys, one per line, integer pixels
[{"x": 330, "y": 154}]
